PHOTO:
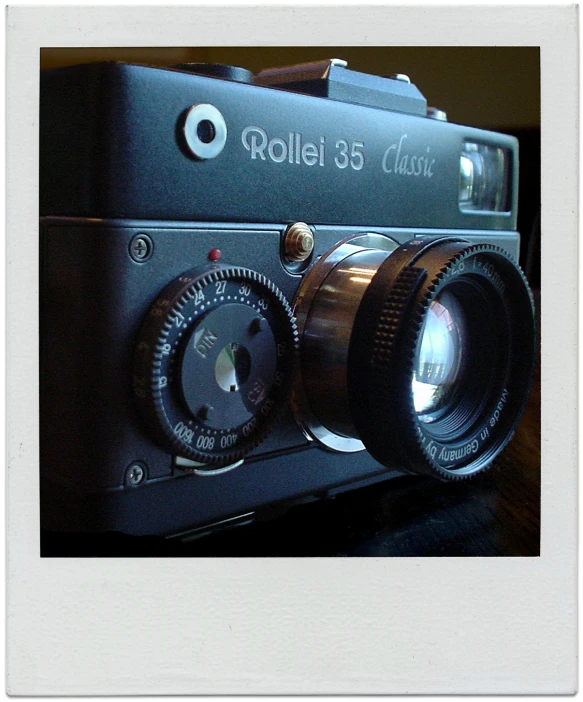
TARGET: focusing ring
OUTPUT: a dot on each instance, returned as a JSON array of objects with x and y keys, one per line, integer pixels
[{"x": 386, "y": 338}]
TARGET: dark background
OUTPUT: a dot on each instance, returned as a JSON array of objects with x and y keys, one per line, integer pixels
[
  {"x": 488, "y": 87},
  {"x": 498, "y": 512}
]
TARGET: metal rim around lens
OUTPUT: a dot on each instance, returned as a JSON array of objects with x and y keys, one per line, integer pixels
[
  {"x": 200, "y": 114},
  {"x": 311, "y": 424},
  {"x": 484, "y": 410}
]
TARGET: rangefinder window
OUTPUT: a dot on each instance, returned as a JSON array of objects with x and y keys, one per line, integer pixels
[{"x": 484, "y": 178}]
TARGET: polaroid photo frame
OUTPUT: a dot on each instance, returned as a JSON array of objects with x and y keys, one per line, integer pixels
[{"x": 312, "y": 625}]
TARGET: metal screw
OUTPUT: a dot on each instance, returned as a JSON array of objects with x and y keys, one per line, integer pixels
[
  {"x": 135, "y": 474},
  {"x": 141, "y": 248},
  {"x": 298, "y": 242}
]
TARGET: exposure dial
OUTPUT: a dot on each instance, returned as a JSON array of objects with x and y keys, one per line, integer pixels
[{"x": 214, "y": 363}]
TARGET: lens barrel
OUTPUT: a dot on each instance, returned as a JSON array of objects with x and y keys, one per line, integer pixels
[{"x": 426, "y": 358}]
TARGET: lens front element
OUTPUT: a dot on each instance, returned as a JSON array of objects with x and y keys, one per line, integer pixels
[{"x": 438, "y": 361}]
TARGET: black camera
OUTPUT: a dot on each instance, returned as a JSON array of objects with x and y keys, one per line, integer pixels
[{"x": 261, "y": 290}]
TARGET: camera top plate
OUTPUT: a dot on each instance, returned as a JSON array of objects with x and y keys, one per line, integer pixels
[{"x": 113, "y": 146}]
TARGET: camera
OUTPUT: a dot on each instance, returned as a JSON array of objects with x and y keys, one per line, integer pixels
[{"x": 260, "y": 290}]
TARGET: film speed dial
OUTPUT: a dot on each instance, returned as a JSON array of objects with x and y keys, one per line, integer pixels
[{"x": 214, "y": 363}]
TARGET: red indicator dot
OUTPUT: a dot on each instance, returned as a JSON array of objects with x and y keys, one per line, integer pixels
[{"x": 214, "y": 255}]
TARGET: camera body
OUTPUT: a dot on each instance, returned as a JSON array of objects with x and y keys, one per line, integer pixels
[{"x": 188, "y": 214}]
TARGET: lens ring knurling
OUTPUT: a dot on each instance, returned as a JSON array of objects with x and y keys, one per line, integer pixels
[
  {"x": 149, "y": 364},
  {"x": 384, "y": 342}
]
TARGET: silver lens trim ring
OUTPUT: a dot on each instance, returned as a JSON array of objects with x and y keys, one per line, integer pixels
[
  {"x": 205, "y": 113},
  {"x": 310, "y": 424}
]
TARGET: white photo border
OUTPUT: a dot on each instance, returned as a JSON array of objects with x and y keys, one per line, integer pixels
[{"x": 295, "y": 626}]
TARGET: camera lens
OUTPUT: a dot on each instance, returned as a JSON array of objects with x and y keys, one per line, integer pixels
[
  {"x": 460, "y": 362},
  {"x": 439, "y": 357},
  {"x": 422, "y": 354}
]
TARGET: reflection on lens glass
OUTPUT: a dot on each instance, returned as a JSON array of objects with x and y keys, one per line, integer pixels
[{"x": 439, "y": 357}]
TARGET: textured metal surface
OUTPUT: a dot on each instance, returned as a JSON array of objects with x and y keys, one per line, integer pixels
[
  {"x": 86, "y": 348},
  {"x": 111, "y": 147}
]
